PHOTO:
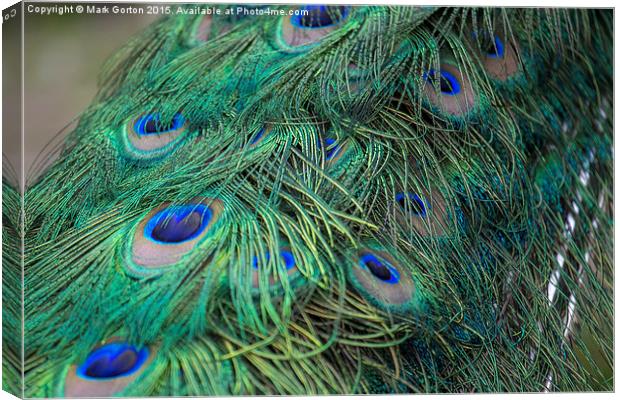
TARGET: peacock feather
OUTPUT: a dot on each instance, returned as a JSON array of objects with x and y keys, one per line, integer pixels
[{"x": 340, "y": 199}]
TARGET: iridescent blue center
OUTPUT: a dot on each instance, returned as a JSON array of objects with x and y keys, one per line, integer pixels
[
  {"x": 412, "y": 203},
  {"x": 112, "y": 360},
  {"x": 287, "y": 258},
  {"x": 177, "y": 224},
  {"x": 319, "y": 16},
  {"x": 257, "y": 136},
  {"x": 331, "y": 148},
  {"x": 492, "y": 45},
  {"x": 379, "y": 268},
  {"x": 151, "y": 124},
  {"x": 495, "y": 49},
  {"x": 448, "y": 83}
]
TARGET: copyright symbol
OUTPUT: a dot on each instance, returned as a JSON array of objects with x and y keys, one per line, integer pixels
[{"x": 79, "y": 9}]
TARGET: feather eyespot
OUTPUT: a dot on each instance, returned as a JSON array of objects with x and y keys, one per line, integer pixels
[
  {"x": 382, "y": 280},
  {"x": 178, "y": 224},
  {"x": 331, "y": 146},
  {"x": 449, "y": 90},
  {"x": 112, "y": 360},
  {"x": 412, "y": 203},
  {"x": 490, "y": 44},
  {"x": 496, "y": 49},
  {"x": 309, "y": 25},
  {"x": 380, "y": 269},
  {"x": 424, "y": 212},
  {"x": 202, "y": 29},
  {"x": 151, "y": 124},
  {"x": 334, "y": 149},
  {"x": 499, "y": 55},
  {"x": 287, "y": 260},
  {"x": 107, "y": 370},
  {"x": 319, "y": 16},
  {"x": 208, "y": 27},
  {"x": 148, "y": 137},
  {"x": 259, "y": 136},
  {"x": 169, "y": 232},
  {"x": 448, "y": 83}
]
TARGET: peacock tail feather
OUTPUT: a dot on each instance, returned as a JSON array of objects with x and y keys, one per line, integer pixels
[{"x": 350, "y": 199}]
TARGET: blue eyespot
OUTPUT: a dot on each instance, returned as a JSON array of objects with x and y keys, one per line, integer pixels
[
  {"x": 287, "y": 257},
  {"x": 492, "y": 45},
  {"x": 379, "y": 268},
  {"x": 319, "y": 16},
  {"x": 497, "y": 50},
  {"x": 255, "y": 260},
  {"x": 289, "y": 260},
  {"x": 331, "y": 148},
  {"x": 412, "y": 203},
  {"x": 150, "y": 124},
  {"x": 112, "y": 360},
  {"x": 257, "y": 136},
  {"x": 447, "y": 82},
  {"x": 177, "y": 224}
]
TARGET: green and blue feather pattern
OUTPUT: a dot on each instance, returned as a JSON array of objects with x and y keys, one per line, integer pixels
[{"x": 353, "y": 199}]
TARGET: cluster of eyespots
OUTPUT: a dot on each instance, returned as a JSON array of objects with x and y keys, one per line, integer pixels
[
  {"x": 151, "y": 124},
  {"x": 412, "y": 203},
  {"x": 448, "y": 84},
  {"x": 178, "y": 224},
  {"x": 112, "y": 360},
  {"x": 380, "y": 268},
  {"x": 319, "y": 16}
]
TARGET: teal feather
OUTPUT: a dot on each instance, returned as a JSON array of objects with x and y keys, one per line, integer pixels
[{"x": 411, "y": 235}]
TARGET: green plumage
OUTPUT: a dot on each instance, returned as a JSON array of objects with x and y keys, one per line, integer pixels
[{"x": 499, "y": 168}]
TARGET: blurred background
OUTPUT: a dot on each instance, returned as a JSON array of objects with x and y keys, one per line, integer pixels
[{"x": 62, "y": 59}]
